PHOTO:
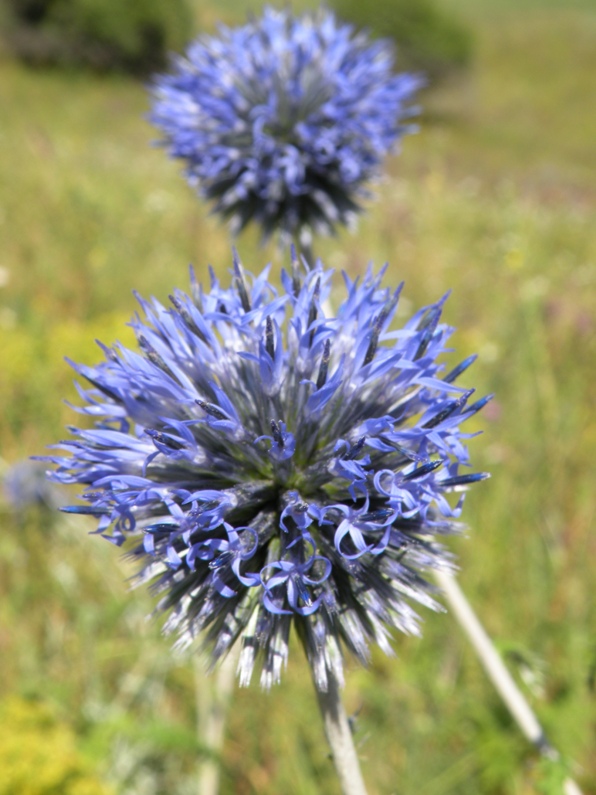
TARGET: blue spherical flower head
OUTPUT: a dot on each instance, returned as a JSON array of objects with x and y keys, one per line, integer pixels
[
  {"x": 283, "y": 121},
  {"x": 269, "y": 465}
]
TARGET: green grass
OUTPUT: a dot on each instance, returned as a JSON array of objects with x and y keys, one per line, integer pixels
[{"x": 494, "y": 199}]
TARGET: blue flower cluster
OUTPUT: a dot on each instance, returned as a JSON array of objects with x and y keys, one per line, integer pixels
[
  {"x": 283, "y": 120},
  {"x": 269, "y": 465}
]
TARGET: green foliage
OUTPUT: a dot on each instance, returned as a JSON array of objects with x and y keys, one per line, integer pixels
[
  {"x": 23, "y": 397},
  {"x": 130, "y": 35},
  {"x": 39, "y": 754},
  {"x": 551, "y": 775},
  {"x": 428, "y": 38},
  {"x": 493, "y": 200}
]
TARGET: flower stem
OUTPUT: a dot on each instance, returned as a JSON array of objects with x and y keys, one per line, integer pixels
[
  {"x": 339, "y": 737},
  {"x": 304, "y": 247},
  {"x": 498, "y": 673}
]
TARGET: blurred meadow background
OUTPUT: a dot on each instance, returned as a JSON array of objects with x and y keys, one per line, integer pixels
[{"x": 494, "y": 198}]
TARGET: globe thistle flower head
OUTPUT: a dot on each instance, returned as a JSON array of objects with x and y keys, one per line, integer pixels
[
  {"x": 270, "y": 465},
  {"x": 282, "y": 121}
]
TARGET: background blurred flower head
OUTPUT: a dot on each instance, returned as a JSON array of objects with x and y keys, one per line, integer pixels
[
  {"x": 274, "y": 466},
  {"x": 283, "y": 120},
  {"x": 25, "y": 485}
]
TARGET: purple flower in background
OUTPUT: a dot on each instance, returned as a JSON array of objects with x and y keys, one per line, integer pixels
[
  {"x": 25, "y": 485},
  {"x": 283, "y": 120},
  {"x": 269, "y": 465}
]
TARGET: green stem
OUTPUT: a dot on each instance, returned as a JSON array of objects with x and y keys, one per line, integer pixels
[
  {"x": 339, "y": 737},
  {"x": 498, "y": 673},
  {"x": 304, "y": 246}
]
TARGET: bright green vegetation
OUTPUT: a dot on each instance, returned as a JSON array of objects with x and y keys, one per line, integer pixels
[
  {"x": 39, "y": 753},
  {"x": 494, "y": 199}
]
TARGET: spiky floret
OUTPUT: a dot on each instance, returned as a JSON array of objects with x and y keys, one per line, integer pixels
[
  {"x": 283, "y": 120},
  {"x": 269, "y": 465}
]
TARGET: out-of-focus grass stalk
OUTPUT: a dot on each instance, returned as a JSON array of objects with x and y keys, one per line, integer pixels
[
  {"x": 498, "y": 673},
  {"x": 213, "y": 697}
]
